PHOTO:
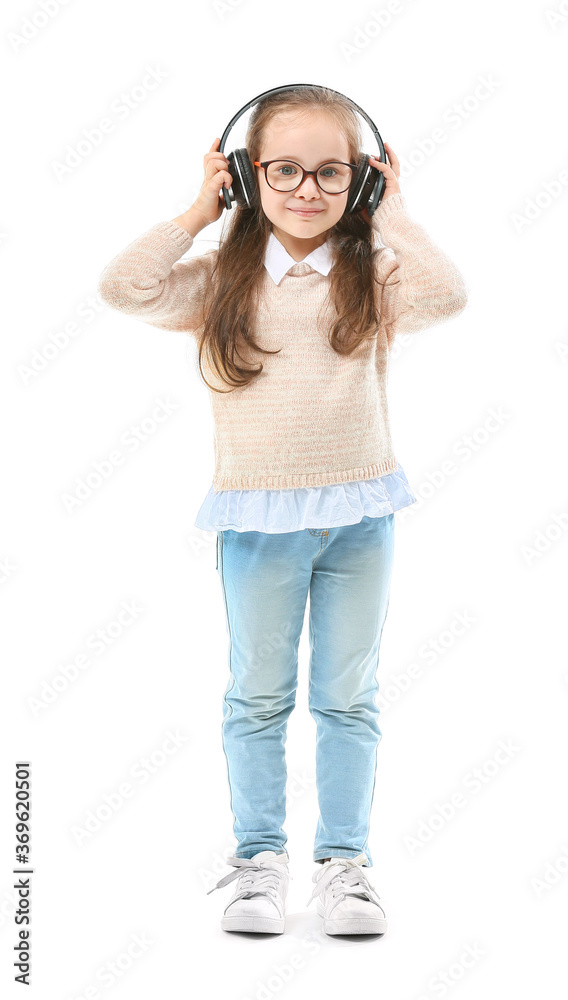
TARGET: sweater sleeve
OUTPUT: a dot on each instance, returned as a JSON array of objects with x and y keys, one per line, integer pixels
[
  {"x": 431, "y": 289},
  {"x": 145, "y": 281}
]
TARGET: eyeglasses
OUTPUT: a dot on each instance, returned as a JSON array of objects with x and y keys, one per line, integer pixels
[{"x": 332, "y": 177}]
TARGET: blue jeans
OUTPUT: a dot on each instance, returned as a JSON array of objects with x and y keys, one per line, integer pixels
[{"x": 265, "y": 580}]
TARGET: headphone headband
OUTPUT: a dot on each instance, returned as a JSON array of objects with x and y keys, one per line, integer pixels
[{"x": 293, "y": 86}]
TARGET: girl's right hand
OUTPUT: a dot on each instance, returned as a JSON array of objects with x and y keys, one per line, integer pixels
[{"x": 210, "y": 202}]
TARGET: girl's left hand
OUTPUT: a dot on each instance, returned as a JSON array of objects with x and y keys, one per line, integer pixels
[{"x": 391, "y": 170}]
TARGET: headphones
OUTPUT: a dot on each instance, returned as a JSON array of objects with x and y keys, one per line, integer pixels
[{"x": 367, "y": 185}]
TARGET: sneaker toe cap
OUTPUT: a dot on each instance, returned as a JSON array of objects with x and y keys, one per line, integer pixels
[
  {"x": 353, "y": 907},
  {"x": 252, "y": 907}
]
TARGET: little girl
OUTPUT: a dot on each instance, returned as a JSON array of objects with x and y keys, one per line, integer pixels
[{"x": 294, "y": 317}]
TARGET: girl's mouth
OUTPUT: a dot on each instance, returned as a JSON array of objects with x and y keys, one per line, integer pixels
[{"x": 307, "y": 214}]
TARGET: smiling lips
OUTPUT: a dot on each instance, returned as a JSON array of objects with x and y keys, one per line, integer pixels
[{"x": 306, "y": 211}]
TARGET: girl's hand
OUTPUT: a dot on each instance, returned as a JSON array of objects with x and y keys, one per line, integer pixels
[
  {"x": 210, "y": 202},
  {"x": 391, "y": 170}
]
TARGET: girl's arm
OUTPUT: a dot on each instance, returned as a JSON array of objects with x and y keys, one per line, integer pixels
[
  {"x": 431, "y": 289},
  {"x": 145, "y": 281}
]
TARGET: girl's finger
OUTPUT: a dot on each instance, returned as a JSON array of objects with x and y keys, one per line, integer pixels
[
  {"x": 213, "y": 148},
  {"x": 393, "y": 167},
  {"x": 215, "y": 152},
  {"x": 379, "y": 163},
  {"x": 225, "y": 174}
]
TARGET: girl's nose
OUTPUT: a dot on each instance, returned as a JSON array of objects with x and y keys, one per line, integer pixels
[{"x": 312, "y": 186}]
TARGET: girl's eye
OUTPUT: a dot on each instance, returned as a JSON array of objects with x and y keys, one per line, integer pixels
[
  {"x": 287, "y": 166},
  {"x": 326, "y": 169}
]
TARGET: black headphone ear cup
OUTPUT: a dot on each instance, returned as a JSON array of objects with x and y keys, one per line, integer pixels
[
  {"x": 354, "y": 196},
  {"x": 243, "y": 187},
  {"x": 229, "y": 194},
  {"x": 365, "y": 181}
]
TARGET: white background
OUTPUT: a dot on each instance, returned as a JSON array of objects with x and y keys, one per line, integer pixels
[{"x": 487, "y": 541}]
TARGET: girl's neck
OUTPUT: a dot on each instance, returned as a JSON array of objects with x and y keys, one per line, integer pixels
[{"x": 297, "y": 247}]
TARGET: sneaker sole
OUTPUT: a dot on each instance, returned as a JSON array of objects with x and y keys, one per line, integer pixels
[
  {"x": 356, "y": 925},
  {"x": 259, "y": 925}
]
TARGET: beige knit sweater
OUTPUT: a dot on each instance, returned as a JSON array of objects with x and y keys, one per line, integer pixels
[{"x": 313, "y": 417}]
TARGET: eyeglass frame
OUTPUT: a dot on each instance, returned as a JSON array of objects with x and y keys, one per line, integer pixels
[{"x": 266, "y": 163}]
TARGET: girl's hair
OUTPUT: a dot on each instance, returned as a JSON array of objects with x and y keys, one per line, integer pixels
[{"x": 231, "y": 297}]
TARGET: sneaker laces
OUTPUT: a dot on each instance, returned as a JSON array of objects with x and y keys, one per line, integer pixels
[
  {"x": 257, "y": 877},
  {"x": 344, "y": 877}
]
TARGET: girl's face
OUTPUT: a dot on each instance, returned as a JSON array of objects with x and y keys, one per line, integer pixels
[{"x": 310, "y": 145}]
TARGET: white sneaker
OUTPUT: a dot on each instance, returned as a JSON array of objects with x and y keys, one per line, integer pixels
[
  {"x": 258, "y": 903},
  {"x": 346, "y": 900}
]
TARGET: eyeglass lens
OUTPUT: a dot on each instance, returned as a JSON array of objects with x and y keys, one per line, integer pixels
[{"x": 284, "y": 175}]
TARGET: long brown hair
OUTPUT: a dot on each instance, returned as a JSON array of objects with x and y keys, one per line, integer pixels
[{"x": 231, "y": 297}]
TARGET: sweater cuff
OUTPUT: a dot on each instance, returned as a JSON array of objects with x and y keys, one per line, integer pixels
[
  {"x": 388, "y": 206},
  {"x": 177, "y": 234}
]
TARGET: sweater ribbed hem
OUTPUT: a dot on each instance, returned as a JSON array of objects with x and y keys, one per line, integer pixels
[
  {"x": 394, "y": 203},
  {"x": 179, "y": 236},
  {"x": 293, "y": 481}
]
